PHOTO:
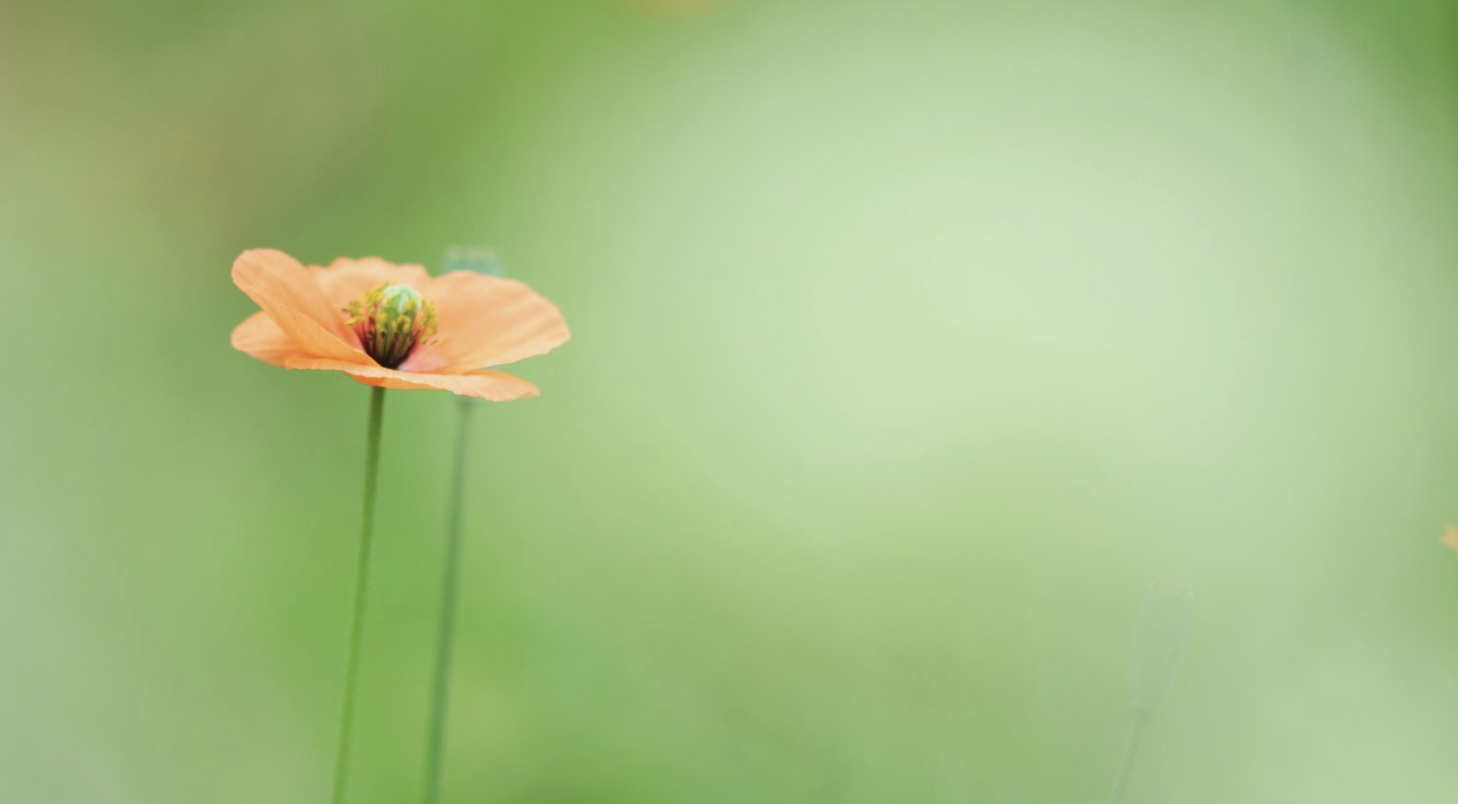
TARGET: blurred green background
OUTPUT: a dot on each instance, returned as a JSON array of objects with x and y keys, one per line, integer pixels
[{"x": 910, "y": 341}]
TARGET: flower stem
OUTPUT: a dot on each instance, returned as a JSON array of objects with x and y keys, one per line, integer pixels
[
  {"x": 435, "y": 738},
  {"x": 1131, "y": 748},
  {"x": 361, "y": 586}
]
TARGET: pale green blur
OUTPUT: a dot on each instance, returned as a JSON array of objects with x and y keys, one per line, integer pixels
[{"x": 911, "y": 340}]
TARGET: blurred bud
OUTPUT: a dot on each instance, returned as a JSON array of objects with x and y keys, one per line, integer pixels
[
  {"x": 1159, "y": 643},
  {"x": 1450, "y": 537},
  {"x": 480, "y": 259}
]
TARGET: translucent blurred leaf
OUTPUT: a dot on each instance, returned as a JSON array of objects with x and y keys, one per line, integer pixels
[{"x": 1159, "y": 643}]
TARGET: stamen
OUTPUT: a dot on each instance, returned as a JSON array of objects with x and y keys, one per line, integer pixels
[{"x": 391, "y": 321}]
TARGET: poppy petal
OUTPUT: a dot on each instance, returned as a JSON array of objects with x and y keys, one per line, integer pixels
[
  {"x": 490, "y": 385},
  {"x": 259, "y": 337},
  {"x": 291, "y": 296},
  {"x": 346, "y": 280},
  {"x": 486, "y": 321}
]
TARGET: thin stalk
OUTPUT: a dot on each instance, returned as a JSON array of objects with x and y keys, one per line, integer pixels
[
  {"x": 361, "y": 585},
  {"x": 1131, "y": 748},
  {"x": 435, "y": 738}
]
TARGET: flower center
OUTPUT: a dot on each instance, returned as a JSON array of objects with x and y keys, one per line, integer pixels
[{"x": 391, "y": 321}]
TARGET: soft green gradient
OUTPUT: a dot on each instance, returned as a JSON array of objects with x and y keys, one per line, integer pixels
[{"x": 910, "y": 341}]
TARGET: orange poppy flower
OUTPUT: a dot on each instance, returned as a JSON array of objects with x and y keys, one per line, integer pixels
[
  {"x": 394, "y": 326},
  {"x": 1450, "y": 537}
]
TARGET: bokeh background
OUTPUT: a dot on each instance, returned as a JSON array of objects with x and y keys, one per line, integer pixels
[{"x": 911, "y": 340}]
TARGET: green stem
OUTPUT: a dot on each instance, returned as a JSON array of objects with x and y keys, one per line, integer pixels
[
  {"x": 361, "y": 585},
  {"x": 1131, "y": 748},
  {"x": 435, "y": 738}
]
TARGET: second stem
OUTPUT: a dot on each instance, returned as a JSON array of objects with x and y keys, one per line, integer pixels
[{"x": 435, "y": 738}]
